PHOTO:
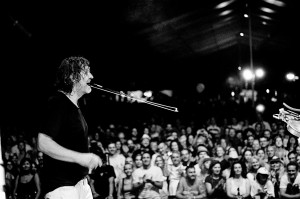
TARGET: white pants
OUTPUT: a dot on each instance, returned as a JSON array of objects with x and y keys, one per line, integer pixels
[{"x": 81, "y": 190}]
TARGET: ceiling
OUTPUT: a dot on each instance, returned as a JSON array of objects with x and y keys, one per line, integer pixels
[{"x": 147, "y": 44}]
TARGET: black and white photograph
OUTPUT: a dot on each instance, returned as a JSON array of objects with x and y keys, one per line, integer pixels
[{"x": 150, "y": 99}]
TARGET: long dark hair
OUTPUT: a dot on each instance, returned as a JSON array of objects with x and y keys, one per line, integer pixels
[
  {"x": 22, "y": 172},
  {"x": 69, "y": 73},
  {"x": 212, "y": 164},
  {"x": 244, "y": 170}
]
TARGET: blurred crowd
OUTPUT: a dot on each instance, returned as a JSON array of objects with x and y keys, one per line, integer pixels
[{"x": 230, "y": 158}]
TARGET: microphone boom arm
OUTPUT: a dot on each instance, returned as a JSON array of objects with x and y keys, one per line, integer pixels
[{"x": 122, "y": 94}]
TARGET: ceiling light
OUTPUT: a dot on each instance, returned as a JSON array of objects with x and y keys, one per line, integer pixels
[
  {"x": 223, "y": 4},
  {"x": 226, "y": 12},
  {"x": 275, "y": 2},
  {"x": 268, "y": 10},
  {"x": 265, "y": 17}
]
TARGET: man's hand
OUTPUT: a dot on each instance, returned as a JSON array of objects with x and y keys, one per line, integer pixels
[{"x": 90, "y": 161}]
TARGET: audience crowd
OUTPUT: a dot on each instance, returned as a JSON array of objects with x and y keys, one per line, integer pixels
[{"x": 222, "y": 159}]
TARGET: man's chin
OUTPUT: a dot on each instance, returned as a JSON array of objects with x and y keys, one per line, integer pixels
[{"x": 88, "y": 89}]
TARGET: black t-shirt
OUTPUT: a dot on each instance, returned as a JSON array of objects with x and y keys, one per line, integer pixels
[
  {"x": 219, "y": 192},
  {"x": 65, "y": 124},
  {"x": 100, "y": 177}
]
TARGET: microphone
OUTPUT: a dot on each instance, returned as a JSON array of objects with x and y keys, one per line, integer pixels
[{"x": 96, "y": 85}]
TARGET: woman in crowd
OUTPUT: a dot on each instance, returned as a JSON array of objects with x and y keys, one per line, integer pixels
[
  {"x": 10, "y": 176},
  {"x": 255, "y": 146},
  {"x": 246, "y": 158},
  {"x": 255, "y": 165},
  {"x": 190, "y": 140},
  {"x": 220, "y": 156},
  {"x": 137, "y": 161},
  {"x": 125, "y": 184},
  {"x": 27, "y": 185},
  {"x": 280, "y": 151},
  {"x": 215, "y": 183},
  {"x": 292, "y": 144},
  {"x": 159, "y": 162},
  {"x": 237, "y": 185},
  {"x": 263, "y": 159}
]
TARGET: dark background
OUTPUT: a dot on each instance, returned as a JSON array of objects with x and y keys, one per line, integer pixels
[{"x": 145, "y": 45}]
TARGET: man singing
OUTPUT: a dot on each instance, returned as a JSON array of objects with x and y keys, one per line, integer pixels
[{"x": 64, "y": 135}]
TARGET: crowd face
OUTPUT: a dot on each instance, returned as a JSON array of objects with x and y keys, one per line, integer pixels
[
  {"x": 176, "y": 159},
  {"x": 267, "y": 134},
  {"x": 298, "y": 160},
  {"x": 231, "y": 133},
  {"x": 262, "y": 178},
  {"x": 21, "y": 146},
  {"x": 134, "y": 132},
  {"x": 298, "y": 150},
  {"x": 270, "y": 151},
  {"x": 128, "y": 169},
  {"x": 255, "y": 145},
  {"x": 261, "y": 153},
  {"x": 146, "y": 159},
  {"x": 174, "y": 146},
  {"x": 202, "y": 154},
  {"x": 220, "y": 152},
  {"x": 216, "y": 169},
  {"x": 121, "y": 137},
  {"x": 263, "y": 142},
  {"x": 129, "y": 160},
  {"x": 292, "y": 157},
  {"x": 207, "y": 164},
  {"x": 174, "y": 135},
  {"x": 223, "y": 143},
  {"x": 278, "y": 142},
  {"x": 118, "y": 145},
  {"x": 112, "y": 148},
  {"x": 190, "y": 139},
  {"x": 159, "y": 162},
  {"x": 130, "y": 144},
  {"x": 255, "y": 163},
  {"x": 275, "y": 166},
  {"x": 145, "y": 142},
  {"x": 291, "y": 170},
  {"x": 191, "y": 174},
  {"x": 9, "y": 165},
  {"x": 237, "y": 168},
  {"x": 185, "y": 155},
  {"x": 138, "y": 161},
  {"x": 250, "y": 140},
  {"x": 248, "y": 155},
  {"x": 153, "y": 146},
  {"x": 97, "y": 136},
  {"x": 26, "y": 166}
]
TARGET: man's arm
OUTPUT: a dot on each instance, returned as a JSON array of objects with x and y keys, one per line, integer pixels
[
  {"x": 286, "y": 195},
  {"x": 111, "y": 181},
  {"x": 179, "y": 191},
  {"x": 201, "y": 190},
  {"x": 158, "y": 184},
  {"x": 48, "y": 146}
]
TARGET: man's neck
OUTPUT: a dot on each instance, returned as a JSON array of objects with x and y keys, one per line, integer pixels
[
  {"x": 73, "y": 97},
  {"x": 146, "y": 166},
  {"x": 190, "y": 181}
]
